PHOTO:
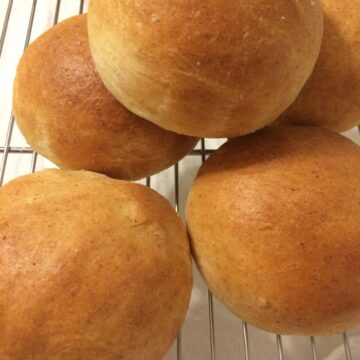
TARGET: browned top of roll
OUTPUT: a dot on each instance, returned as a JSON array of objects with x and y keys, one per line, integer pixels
[
  {"x": 331, "y": 97},
  {"x": 274, "y": 219},
  {"x": 90, "y": 268},
  {"x": 67, "y": 115},
  {"x": 215, "y": 68}
]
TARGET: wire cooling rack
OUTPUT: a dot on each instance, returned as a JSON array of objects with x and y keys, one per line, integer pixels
[{"x": 210, "y": 331}]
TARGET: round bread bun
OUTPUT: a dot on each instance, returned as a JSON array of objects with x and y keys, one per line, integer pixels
[
  {"x": 331, "y": 97},
  {"x": 273, "y": 219},
  {"x": 68, "y": 116},
  {"x": 218, "y": 68},
  {"x": 90, "y": 268}
]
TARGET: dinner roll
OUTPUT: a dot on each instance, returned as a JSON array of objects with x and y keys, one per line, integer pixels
[
  {"x": 217, "y": 68},
  {"x": 331, "y": 97},
  {"x": 274, "y": 223},
  {"x": 90, "y": 268},
  {"x": 68, "y": 116}
]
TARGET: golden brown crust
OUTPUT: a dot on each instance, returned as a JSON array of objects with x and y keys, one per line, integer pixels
[
  {"x": 90, "y": 268},
  {"x": 67, "y": 115},
  {"x": 331, "y": 97},
  {"x": 217, "y": 68},
  {"x": 274, "y": 220}
]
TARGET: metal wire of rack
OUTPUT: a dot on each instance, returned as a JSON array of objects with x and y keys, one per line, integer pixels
[{"x": 7, "y": 149}]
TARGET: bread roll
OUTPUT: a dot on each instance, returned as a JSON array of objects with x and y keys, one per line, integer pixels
[
  {"x": 68, "y": 116},
  {"x": 90, "y": 268},
  {"x": 274, "y": 221},
  {"x": 216, "y": 68},
  {"x": 331, "y": 97}
]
